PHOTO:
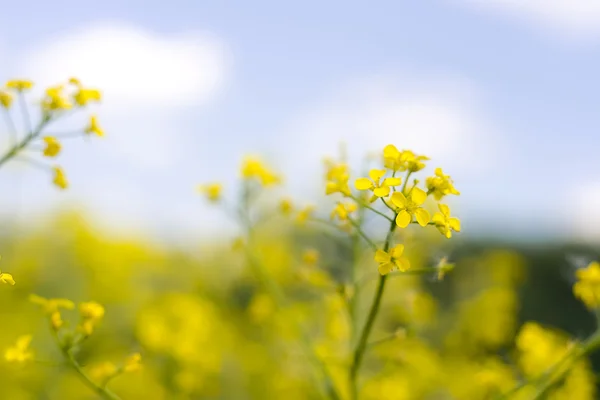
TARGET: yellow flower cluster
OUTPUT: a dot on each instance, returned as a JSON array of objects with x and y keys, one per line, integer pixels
[{"x": 587, "y": 287}]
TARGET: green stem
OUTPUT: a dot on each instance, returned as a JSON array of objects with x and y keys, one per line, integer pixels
[
  {"x": 23, "y": 143},
  {"x": 365, "y": 205},
  {"x": 362, "y": 234}
]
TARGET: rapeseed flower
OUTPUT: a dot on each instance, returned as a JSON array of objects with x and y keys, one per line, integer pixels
[
  {"x": 409, "y": 206},
  {"x": 587, "y": 287},
  {"x": 404, "y": 160},
  {"x": 19, "y": 85},
  {"x": 60, "y": 179},
  {"x": 343, "y": 210},
  {"x": 389, "y": 260},
  {"x": 19, "y": 352},
  {"x": 53, "y": 146},
  {"x": 440, "y": 185},
  {"x": 254, "y": 169},
  {"x": 379, "y": 187},
  {"x": 5, "y": 99},
  {"x": 91, "y": 313},
  {"x": 55, "y": 100},
  {"x": 337, "y": 177},
  {"x": 444, "y": 222},
  {"x": 6, "y": 278},
  {"x": 212, "y": 191},
  {"x": 94, "y": 127}
]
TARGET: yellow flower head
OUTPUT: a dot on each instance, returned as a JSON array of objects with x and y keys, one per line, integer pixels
[
  {"x": 392, "y": 259},
  {"x": 19, "y": 352},
  {"x": 440, "y": 185},
  {"x": 305, "y": 214},
  {"x": 404, "y": 160},
  {"x": 311, "y": 256},
  {"x": 60, "y": 179},
  {"x": 51, "y": 305},
  {"x": 84, "y": 96},
  {"x": 444, "y": 222},
  {"x": 337, "y": 177},
  {"x": 587, "y": 287},
  {"x": 254, "y": 169},
  {"x": 52, "y": 146},
  {"x": 94, "y": 127},
  {"x": 212, "y": 191},
  {"x": 286, "y": 207},
  {"x": 409, "y": 206},
  {"x": 133, "y": 363},
  {"x": 19, "y": 85},
  {"x": 103, "y": 371},
  {"x": 5, "y": 99},
  {"x": 379, "y": 187},
  {"x": 539, "y": 348},
  {"x": 91, "y": 313},
  {"x": 342, "y": 211},
  {"x": 55, "y": 100},
  {"x": 6, "y": 278}
]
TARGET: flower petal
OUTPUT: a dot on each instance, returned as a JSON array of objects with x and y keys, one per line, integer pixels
[
  {"x": 403, "y": 264},
  {"x": 454, "y": 224},
  {"x": 397, "y": 251},
  {"x": 377, "y": 174},
  {"x": 383, "y": 191},
  {"x": 382, "y": 257},
  {"x": 422, "y": 216},
  {"x": 444, "y": 209},
  {"x": 438, "y": 219},
  {"x": 390, "y": 151},
  {"x": 418, "y": 196},
  {"x": 363, "y": 184},
  {"x": 386, "y": 268},
  {"x": 392, "y": 181},
  {"x": 399, "y": 199},
  {"x": 403, "y": 219}
]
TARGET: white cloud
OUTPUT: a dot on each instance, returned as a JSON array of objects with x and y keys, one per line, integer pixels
[{"x": 575, "y": 19}]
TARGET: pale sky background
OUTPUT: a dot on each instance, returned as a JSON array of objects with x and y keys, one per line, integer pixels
[{"x": 504, "y": 95}]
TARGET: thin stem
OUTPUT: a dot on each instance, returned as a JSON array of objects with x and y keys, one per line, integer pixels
[
  {"x": 25, "y": 111},
  {"x": 365, "y": 205},
  {"x": 28, "y": 138},
  {"x": 14, "y": 136},
  {"x": 362, "y": 233}
]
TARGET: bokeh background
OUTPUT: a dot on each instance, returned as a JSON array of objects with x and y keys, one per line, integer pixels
[{"x": 504, "y": 95}]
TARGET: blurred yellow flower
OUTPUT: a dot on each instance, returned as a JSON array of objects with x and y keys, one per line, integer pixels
[
  {"x": 409, "y": 206},
  {"x": 375, "y": 184},
  {"x": 103, "y": 371},
  {"x": 342, "y": 211},
  {"x": 94, "y": 127},
  {"x": 84, "y": 96},
  {"x": 60, "y": 179},
  {"x": 6, "y": 278},
  {"x": 587, "y": 287},
  {"x": 5, "y": 99},
  {"x": 52, "y": 146},
  {"x": 286, "y": 206},
  {"x": 440, "y": 185},
  {"x": 55, "y": 100},
  {"x": 19, "y": 85},
  {"x": 392, "y": 259},
  {"x": 133, "y": 363},
  {"x": 397, "y": 160},
  {"x": 444, "y": 222},
  {"x": 91, "y": 313},
  {"x": 253, "y": 168},
  {"x": 337, "y": 177},
  {"x": 51, "y": 305},
  {"x": 19, "y": 352},
  {"x": 305, "y": 214},
  {"x": 212, "y": 191}
]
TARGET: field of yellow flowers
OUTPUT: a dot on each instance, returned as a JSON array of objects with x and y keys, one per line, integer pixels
[{"x": 357, "y": 301}]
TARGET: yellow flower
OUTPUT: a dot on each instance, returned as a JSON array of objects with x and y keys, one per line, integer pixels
[
  {"x": 55, "y": 99},
  {"x": 444, "y": 222},
  {"x": 409, "y": 206},
  {"x": 310, "y": 257},
  {"x": 52, "y": 146},
  {"x": 91, "y": 313},
  {"x": 539, "y": 348},
  {"x": 342, "y": 210},
  {"x": 305, "y": 214},
  {"x": 254, "y": 169},
  {"x": 380, "y": 188},
  {"x": 5, "y": 99},
  {"x": 587, "y": 287},
  {"x": 19, "y": 85},
  {"x": 392, "y": 259},
  {"x": 337, "y": 177},
  {"x": 94, "y": 127},
  {"x": 51, "y": 305},
  {"x": 19, "y": 352},
  {"x": 84, "y": 96},
  {"x": 6, "y": 278},
  {"x": 133, "y": 363},
  {"x": 286, "y": 207},
  {"x": 397, "y": 160},
  {"x": 440, "y": 185},
  {"x": 60, "y": 179},
  {"x": 103, "y": 371},
  {"x": 212, "y": 191}
]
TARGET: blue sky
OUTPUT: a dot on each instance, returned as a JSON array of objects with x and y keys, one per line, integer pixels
[{"x": 503, "y": 94}]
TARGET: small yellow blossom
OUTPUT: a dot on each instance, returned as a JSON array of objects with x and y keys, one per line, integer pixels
[
  {"x": 103, "y": 371},
  {"x": 19, "y": 85},
  {"x": 392, "y": 259},
  {"x": 286, "y": 207},
  {"x": 133, "y": 363},
  {"x": 440, "y": 185},
  {"x": 94, "y": 127},
  {"x": 84, "y": 96},
  {"x": 380, "y": 188},
  {"x": 404, "y": 160},
  {"x": 60, "y": 179},
  {"x": 310, "y": 257},
  {"x": 409, "y": 206},
  {"x": 52, "y": 146},
  {"x": 6, "y": 278},
  {"x": 305, "y": 214},
  {"x": 5, "y": 99},
  {"x": 91, "y": 313},
  {"x": 337, "y": 177},
  {"x": 55, "y": 100},
  {"x": 19, "y": 352},
  {"x": 254, "y": 169},
  {"x": 342, "y": 211},
  {"x": 212, "y": 191},
  {"x": 587, "y": 287},
  {"x": 444, "y": 222},
  {"x": 51, "y": 305}
]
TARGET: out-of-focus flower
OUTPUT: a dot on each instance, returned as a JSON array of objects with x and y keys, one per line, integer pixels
[
  {"x": 60, "y": 179},
  {"x": 84, "y": 96},
  {"x": 286, "y": 206},
  {"x": 103, "y": 371},
  {"x": 342, "y": 211},
  {"x": 5, "y": 99},
  {"x": 337, "y": 177},
  {"x": 91, "y": 313},
  {"x": 392, "y": 259},
  {"x": 587, "y": 287},
  {"x": 444, "y": 222},
  {"x": 55, "y": 100},
  {"x": 212, "y": 191},
  {"x": 440, "y": 185},
  {"x": 379, "y": 187},
  {"x": 397, "y": 160},
  {"x": 51, "y": 305},
  {"x": 305, "y": 214},
  {"x": 6, "y": 278},
  {"x": 52, "y": 146},
  {"x": 20, "y": 85},
  {"x": 19, "y": 352},
  {"x": 133, "y": 363},
  {"x": 253, "y": 168},
  {"x": 94, "y": 127},
  {"x": 409, "y": 206}
]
